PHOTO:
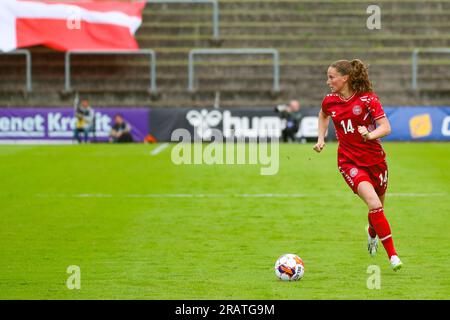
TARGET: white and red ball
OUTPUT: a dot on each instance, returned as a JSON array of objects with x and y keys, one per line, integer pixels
[{"x": 289, "y": 267}]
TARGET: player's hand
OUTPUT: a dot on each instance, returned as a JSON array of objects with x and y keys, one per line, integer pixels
[
  {"x": 319, "y": 146},
  {"x": 363, "y": 132}
]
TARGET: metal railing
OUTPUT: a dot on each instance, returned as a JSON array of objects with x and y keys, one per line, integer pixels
[
  {"x": 415, "y": 62},
  {"x": 273, "y": 52},
  {"x": 213, "y": 3},
  {"x": 147, "y": 52},
  {"x": 27, "y": 54}
]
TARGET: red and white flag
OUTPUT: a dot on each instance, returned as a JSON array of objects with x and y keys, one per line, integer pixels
[{"x": 69, "y": 25}]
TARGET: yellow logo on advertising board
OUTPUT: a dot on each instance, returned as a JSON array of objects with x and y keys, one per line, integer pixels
[{"x": 420, "y": 126}]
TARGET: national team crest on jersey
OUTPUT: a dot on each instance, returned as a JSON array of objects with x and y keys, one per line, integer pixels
[
  {"x": 353, "y": 172},
  {"x": 357, "y": 110}
]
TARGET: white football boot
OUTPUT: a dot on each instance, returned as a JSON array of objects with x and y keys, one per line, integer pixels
[{"x": 396, "y": 264}]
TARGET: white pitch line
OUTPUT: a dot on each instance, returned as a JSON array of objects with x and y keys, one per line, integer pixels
[
  {"x": 159, "y": 149},
  {"x": 416, "y": 194},
  {"x": 210, "y": 195},
  {"x": 172, "y": 195}
]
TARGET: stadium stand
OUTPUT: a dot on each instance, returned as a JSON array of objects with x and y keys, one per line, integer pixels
[{"x": 309, "y": 34}]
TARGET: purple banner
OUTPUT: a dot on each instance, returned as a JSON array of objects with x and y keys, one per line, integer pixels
[{"x": 58, "y": 124}]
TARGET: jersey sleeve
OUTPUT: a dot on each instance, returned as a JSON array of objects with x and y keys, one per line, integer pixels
[
  {"x": 325, "y": 106},
  {"x": 376, "y": 109}
]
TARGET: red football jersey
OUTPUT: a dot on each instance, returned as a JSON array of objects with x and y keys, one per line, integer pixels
[{"x": 361, "y": 109}]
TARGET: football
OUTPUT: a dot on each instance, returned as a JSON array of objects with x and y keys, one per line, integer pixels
[{"x": 289, "y": 267}]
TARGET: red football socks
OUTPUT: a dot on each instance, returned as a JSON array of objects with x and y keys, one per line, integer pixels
[
  {"x": 379, "y": 223},
  {"x": 371, "y": 231}
]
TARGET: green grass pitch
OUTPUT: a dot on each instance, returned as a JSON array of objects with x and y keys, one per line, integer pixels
[{"x": 140, "y": 227}]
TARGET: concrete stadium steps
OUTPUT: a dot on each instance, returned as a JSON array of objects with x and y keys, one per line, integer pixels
[
  {"x": 178, "y": 58},
  {"x": 237, "y": 69},
  {"x": 227, "y": 7},
  {"x": 308, "y": 34},
  {"x": 298, "y": 86},
  {"x": 202, "y": 99},
  {"x": 206, "y": 80},
  {"x": 179, "y": 55},
  {"x": 276, "y": 29},
  {"x": 167, "y": 56},
  {"x": 334, "y": 5},
  {"x": 307, "y": 40},
  {"x": 325, "y": 17},
  {"x": 220, "y": 75}
]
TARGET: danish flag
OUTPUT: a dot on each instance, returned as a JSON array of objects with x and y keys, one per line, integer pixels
[{"x": 69, "y": 25}]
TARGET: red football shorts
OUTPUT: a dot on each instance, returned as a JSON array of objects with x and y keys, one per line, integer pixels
[{"x": 377, "y": 175}]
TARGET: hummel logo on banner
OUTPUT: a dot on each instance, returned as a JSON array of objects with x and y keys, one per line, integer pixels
[{"x": 203, "y": 121}]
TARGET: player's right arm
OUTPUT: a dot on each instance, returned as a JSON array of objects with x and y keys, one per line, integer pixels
[{"x": 324, "y": 120}]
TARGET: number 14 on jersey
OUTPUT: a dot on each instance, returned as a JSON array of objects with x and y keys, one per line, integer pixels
[{"x": 347, "y": 127}]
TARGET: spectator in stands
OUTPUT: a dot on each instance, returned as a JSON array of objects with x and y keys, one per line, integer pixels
[
  {"x": 292, "y": 115},
  {"x": 120, "y": 131},
  {"x": 85, "y": 120}
]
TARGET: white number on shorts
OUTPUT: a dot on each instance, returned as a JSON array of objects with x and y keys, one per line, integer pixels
[
  {"x": 349, "y": 127},
  {"x": 383, "y": 180}
]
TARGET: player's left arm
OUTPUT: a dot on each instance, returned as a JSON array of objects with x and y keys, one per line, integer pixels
[{"x": 383, "y": 129}]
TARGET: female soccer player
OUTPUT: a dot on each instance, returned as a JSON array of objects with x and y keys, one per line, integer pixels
[{"x": 360, "y": 121}]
